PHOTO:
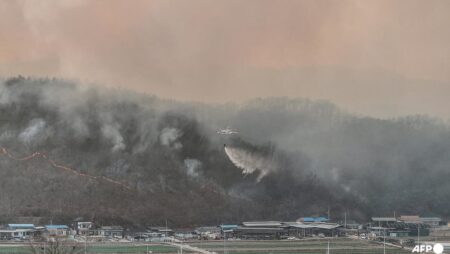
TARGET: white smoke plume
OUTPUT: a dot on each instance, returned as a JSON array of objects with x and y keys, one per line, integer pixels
[
  {"x": 5, "y": 95},
  {"x": 79, "y": 126},
  {"x": 112, "y": 133},
  {"x": 32, "y": 132},
  {"x": 169, "y": 137},
  {"x": 250, "y": 162},
  {"x": 192, "y": 167}
]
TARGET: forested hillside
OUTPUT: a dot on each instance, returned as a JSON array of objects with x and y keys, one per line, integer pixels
[{"x": 70, "y": 150}]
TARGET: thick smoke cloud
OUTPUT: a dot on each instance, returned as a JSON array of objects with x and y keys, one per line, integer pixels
[
  {"x": 301, "y": 157},
  {"x": 373, "y": 57}
]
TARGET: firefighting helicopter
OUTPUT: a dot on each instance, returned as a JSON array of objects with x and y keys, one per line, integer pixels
[{"x": 227, "y": 131}]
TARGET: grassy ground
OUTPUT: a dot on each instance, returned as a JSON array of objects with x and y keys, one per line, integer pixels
[
  {"x": 339, "y": 246},
  {"x": 14, "y": 249},
  {"x": 132, "y": 249},
  {"x": 308, "y": 246},
  {"x": 98, "y": 249}
]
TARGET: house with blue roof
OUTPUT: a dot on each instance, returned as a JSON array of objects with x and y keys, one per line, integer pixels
[
  {"x": 313, "y": 219},
  {"x": 57, "y": 230}
]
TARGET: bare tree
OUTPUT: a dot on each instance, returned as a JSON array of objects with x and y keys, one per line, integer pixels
[{"x": 56, "y": 246}]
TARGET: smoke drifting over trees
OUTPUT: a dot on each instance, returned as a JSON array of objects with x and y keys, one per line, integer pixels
[{"x": 306, "y": 156}]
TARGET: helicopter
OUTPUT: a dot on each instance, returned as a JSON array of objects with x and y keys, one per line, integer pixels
[{"x": 227, "y": 131}]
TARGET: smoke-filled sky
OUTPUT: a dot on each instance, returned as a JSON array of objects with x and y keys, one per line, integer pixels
[{"x": 378, "y": 57}]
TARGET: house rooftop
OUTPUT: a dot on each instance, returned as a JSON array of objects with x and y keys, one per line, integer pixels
[
  {"x": 389, "y": 219},
  {"x": 207, "y": 228},
  {"x": 256, "y": 229},
  {"x": 112, "y": 228},
  {"x": 56, "y": 227},
  {"x": 161, "y": 229},
  {"x": 414, "y": 218},
  {"x": 318, "y": 225},
  {"x": 262, "y": 224},
  {"x": 313, "y": 219},
  {"x": 21, "y": 225},
  {"x": 431, "y": 219},
  {"x": 228, "y": 226}
]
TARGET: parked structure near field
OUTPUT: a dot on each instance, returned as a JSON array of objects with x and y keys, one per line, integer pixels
[
  {"x": 18, "y": 231},
  {"x": 313, "y": 219},
  {"x": 160, "y": 231},
  {"x": 57, "y": 230},
  {"x": 261, "y": 230},
  {"x": 383, "y": 221},
  {"x": 413, "y": 219},
  {"x": 227, "y": 230},
  {"x": 398, "y": 227},
  {"x": 313, "y": 229},
  {"x": 83, "y": 227},
  {"x": 185, "y": 234},
  {"x": 209, "y": 232},
  {"x": 111, "y": 232},
  {"x": 432, "y": 221}
]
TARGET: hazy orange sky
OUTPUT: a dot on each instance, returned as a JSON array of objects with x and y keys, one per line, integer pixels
[{"x": 383, "y": 58}]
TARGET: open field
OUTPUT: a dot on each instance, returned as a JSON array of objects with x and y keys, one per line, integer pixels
[
  {"x": 307, "y": 246},
  {"x": 312, "y": 246},
  {"x": 101, "y": 248}
]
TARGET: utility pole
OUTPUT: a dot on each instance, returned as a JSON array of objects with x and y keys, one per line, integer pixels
[
  {"x": 224, "y": 249},
  {"x": 167, "y": 232},
  {"x": 418, "y": 235},
  {"x": 384, "y": 240},
  {"x": 345, "y": 219}
]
